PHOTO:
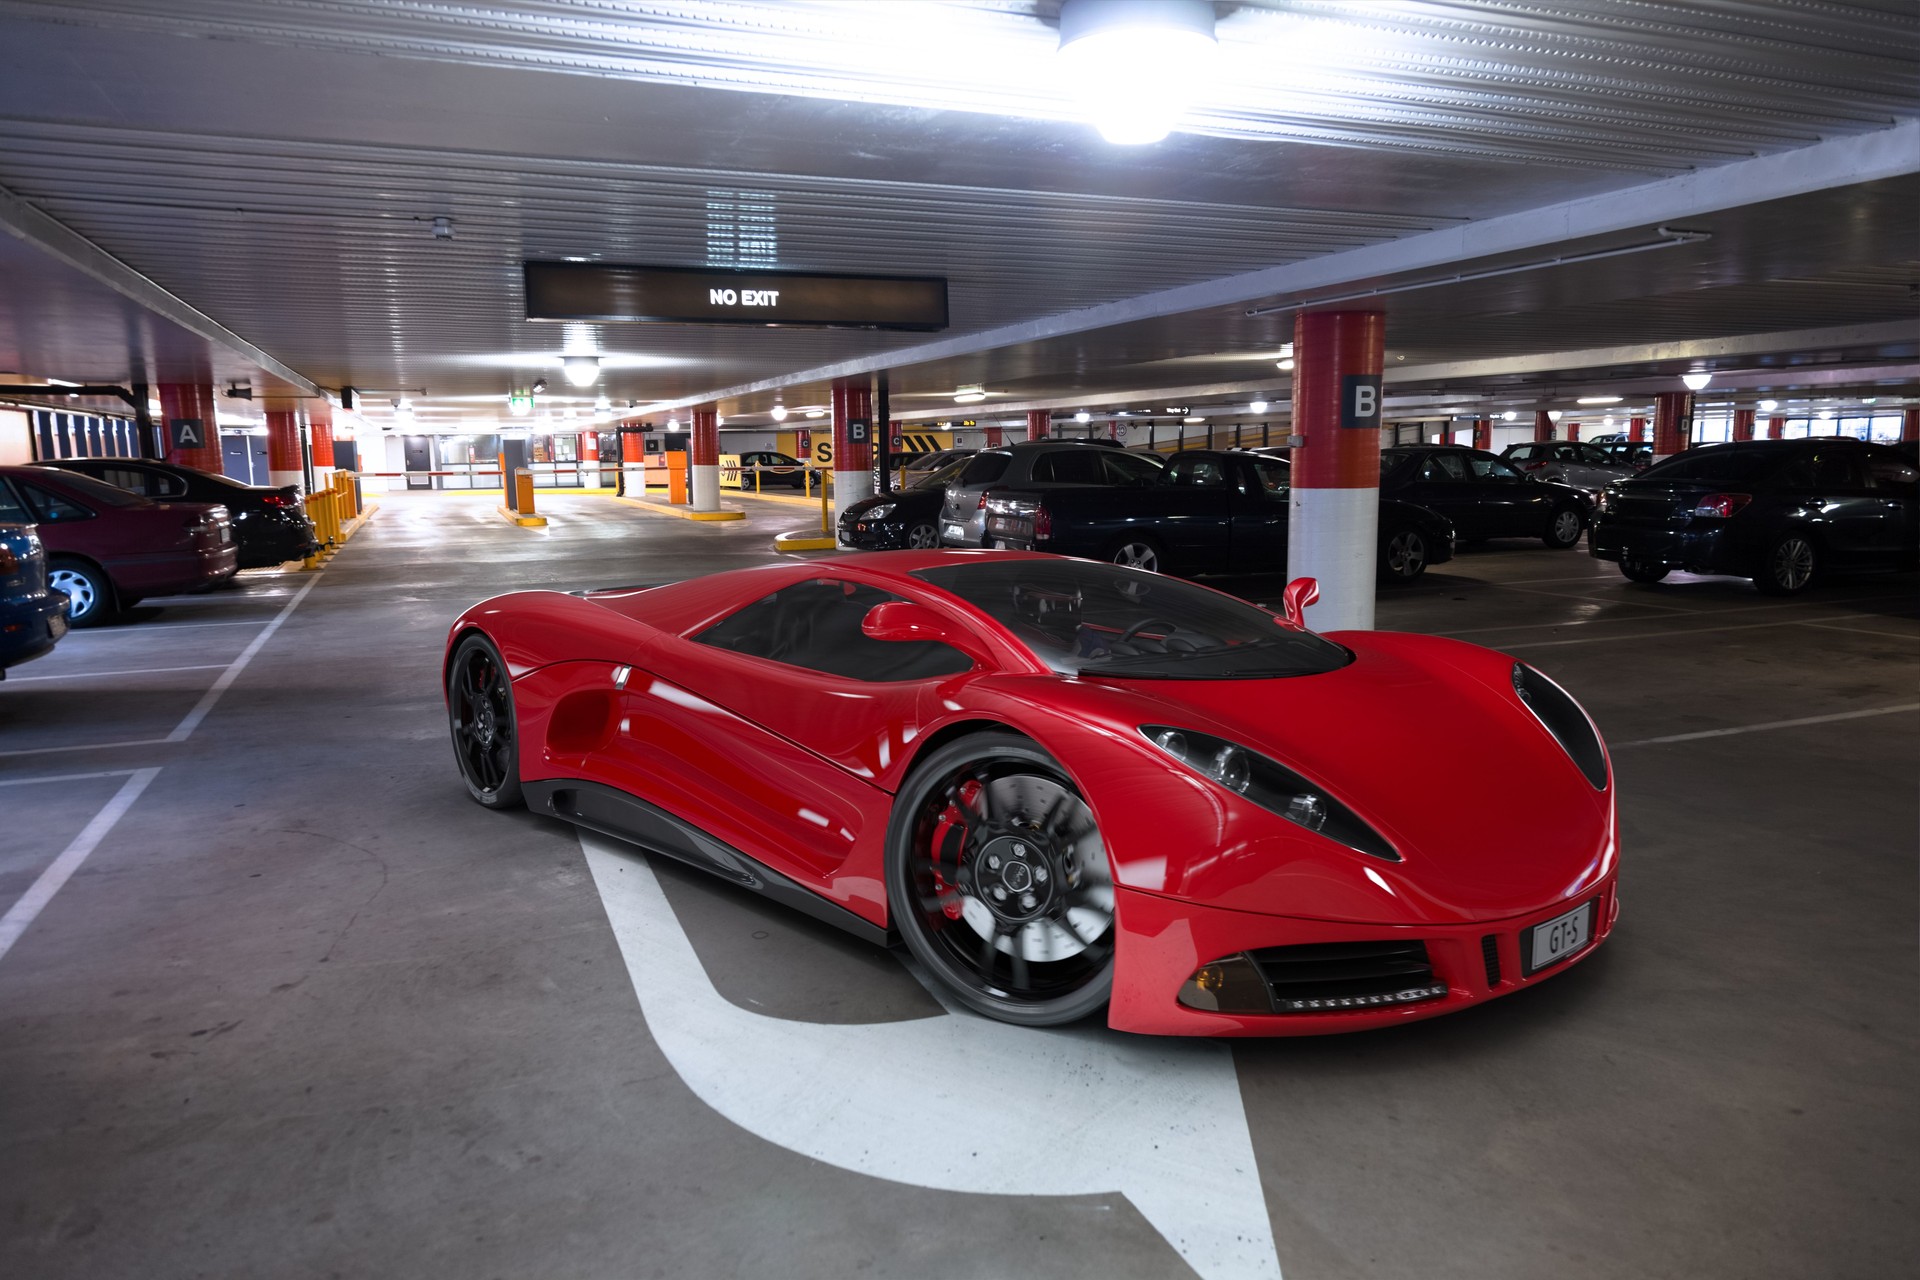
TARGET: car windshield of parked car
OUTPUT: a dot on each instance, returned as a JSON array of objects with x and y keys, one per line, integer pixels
[
  {"x": 944, "y": 476},
  {"x": 88, "y": 489},
  {"x": 1712, "y": 466},
  {"x": 1087, "y": 619}
]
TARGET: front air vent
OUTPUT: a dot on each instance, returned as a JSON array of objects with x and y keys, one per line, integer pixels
[
  {"x": 1332, "y": 976},
  {"x": 1490, "y": 952}
]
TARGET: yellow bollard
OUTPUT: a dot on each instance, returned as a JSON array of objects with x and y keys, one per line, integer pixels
[
  {"x": 523, "y": 491},
  {"x": 826, "y": 521}
]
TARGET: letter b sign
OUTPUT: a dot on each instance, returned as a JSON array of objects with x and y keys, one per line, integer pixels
[{"x": 1360, "y": 400}]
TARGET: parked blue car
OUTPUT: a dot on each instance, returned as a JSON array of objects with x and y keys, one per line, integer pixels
[{"x": 33, "y": 616}]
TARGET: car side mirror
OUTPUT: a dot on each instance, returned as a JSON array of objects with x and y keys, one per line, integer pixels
[
  {"x": 1300, "y": 593},
  {"x": 903, "y": 620}
]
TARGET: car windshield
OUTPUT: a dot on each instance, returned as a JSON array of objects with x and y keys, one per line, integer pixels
[
  {"x": 1712, "y": 466},
  {"x": 1087, "y": 619},
  {"x": 94, "y": 490},
  {"x": 939, "y": 479}
]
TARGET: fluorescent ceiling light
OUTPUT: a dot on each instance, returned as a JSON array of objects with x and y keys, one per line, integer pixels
[
  {"x": 1258, "y": 406},
  {"x": 1599, "y": 400},
  {"x": 582, "y": 371},
  {"x": 1697, "y": 380},
  {"x": 1286, "y": 364},
  {"x": 969, "y": 395},
  {"x": 1286, "y": 351},
  {"x": 779, "y": 413},
  {"x": 1136, "y": 65},
  {"x": 816, "y": 413},
  {"x": 1194, "y": 418}
]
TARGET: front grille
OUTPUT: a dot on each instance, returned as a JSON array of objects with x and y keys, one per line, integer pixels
[
  {"x": 1490, "y": 952},
  {"x": 1324, "y": 976}
]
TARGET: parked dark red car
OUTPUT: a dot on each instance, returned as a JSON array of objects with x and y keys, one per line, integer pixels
[{"x": 107, "y": 548}]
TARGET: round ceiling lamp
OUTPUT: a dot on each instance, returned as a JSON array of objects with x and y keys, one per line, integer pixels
[
  {"x": 1697, "y": 380},
  {"x": 1135, "y": 65},
  {"x": 582, "y": 371},
  {"x": 779, "y": 413},
  {"x": 1258, "y": 406}
]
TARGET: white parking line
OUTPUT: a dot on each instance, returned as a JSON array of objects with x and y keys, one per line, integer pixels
[
  {"x": 1771, "y": 724},
  {"x": 41, "y": 891},
  {"x": 1675, "y": 634},
  {"x": 184, "y": 730},
  {"x": 129, "y": 671},
  {"x": 85, "y": 746},
  {"x": 65, "y": 777},
  {"x": 1697, "y": 613},
  {"x": 148, "y": 628}
]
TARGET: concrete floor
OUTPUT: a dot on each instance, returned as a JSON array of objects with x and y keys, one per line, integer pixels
[{"x": 306, "y": 1011}]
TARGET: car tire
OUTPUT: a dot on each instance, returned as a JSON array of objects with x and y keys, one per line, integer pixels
[
  {"x": 923, "y": 537},
  {"x": 486, "y": 736},
  {"x": 998, "y": 882},
  {"x": 90, "y": 599},
  {"x": 1403, "y": 555},
  {"x": 1138, "y": 553},
  {"x": 1790, "y": 566},
  {"x": 1564, "y": 528},
  {"x": 1644, "y": 570}
]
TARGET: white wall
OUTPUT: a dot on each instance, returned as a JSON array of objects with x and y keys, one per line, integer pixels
[{"x": 16, "y": 438}]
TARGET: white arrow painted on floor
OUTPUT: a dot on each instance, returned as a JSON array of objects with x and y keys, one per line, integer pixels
[{"x": 1081, "y": 1111}]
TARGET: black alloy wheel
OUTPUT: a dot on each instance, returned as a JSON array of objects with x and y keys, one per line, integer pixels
[
  {"x": 1563, "y": 529},
  {"x": 1136, "y": 553},
  {"x": 89, "y": 592},
  {"x": 998, "y": 881},
  {"x": 923, "y": 537},
  {"x": 486, "y": 740},
  {"x": 1790, "y": 567},
  {"x": 1644, "y": 570},
  {"x": 1403, "y": 555}
]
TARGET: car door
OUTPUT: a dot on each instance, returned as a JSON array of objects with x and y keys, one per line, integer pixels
[
  {"x": 1195, "y": 500},
  {"x": 1852, "y": 511},
  {"x": 1440, "y": 481},
  {"x": 774, "y": 723},
  {"x": 1509, "y": 505},
  {"x": 1896, "y": 482},
  {"x": 1260, "y": 501}
]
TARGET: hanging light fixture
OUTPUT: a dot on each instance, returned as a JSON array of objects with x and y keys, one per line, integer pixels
[
  {"x": 1697, "y": 380},
  {"x": 779, "y": 413},
  {"x": 582, "y": 371},
  {"x": 1258, "y": 406},
  {"x": 969, "y": 395},
  {"x": 1768, "y": 406},
  {"x": 1083, "y": 416},
  {"x": 1136, "y": 65}
]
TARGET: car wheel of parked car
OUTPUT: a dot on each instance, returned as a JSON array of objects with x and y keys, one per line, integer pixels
[
  {"x": 1403, "y": 556},
  {"x": 1790, "y": 566},
  {"x": 1644, "y": 570},
  {"x": 486, "y": 740},
  {"x": 1137, "y": 553},
  {"x": 998, "y": 881},
  {"x": 89, "y": 593},
  {"x": 923, "y": 537},
  {"x": 1564, "y": 529}
]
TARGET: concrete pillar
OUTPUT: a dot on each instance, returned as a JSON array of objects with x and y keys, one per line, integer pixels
[
  {"x": 1636, "y": 429},
  {"x": 993, "y": 437},
  {"x": 321, "y": 432},
  {"x": 1572, "y": 431},
  {"x": 632, "y": 462},
  {"x": 852, "y": 459},
  {"x": 1542, "y": 425},
  {"x": 187, "y": 413},
  {"x": 1743, "y": 424},
  {"x": 1039, "y": 422},
  {"x": 703, "y": 459},
  {"x": 1672, "y": 422},
  {"x": 1334, "y": 514},
  {"x": 1483, "y": 434},
  {"x": 1910, "y": 423},
  {"x": 283, "y": 448},
  {"x": 1777, "y": 427}
]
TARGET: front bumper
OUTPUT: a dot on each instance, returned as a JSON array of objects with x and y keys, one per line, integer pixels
[
  {"x": 30, "y": 628},
  {"x": 872, "y": 535},
  {"x": 1163, "y": 941}
]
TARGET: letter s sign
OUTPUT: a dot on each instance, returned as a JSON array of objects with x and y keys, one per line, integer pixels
[{"x": 1360, "y": 400}]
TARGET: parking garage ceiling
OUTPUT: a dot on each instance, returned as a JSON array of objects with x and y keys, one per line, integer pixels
[{"x": 279, "y": 168}]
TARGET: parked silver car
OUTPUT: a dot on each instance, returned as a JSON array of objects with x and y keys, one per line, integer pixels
[
  {"x": 1575, "y": 462},
  {"x": 963, "y": 516}
]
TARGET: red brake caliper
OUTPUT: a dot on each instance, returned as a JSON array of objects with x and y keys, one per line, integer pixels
[{"x": 950, "y": 833}]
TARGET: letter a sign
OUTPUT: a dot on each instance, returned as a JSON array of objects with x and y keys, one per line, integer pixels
[
  {"x": 1360, "y": 400},
  {"x": 188, "y": 433}
]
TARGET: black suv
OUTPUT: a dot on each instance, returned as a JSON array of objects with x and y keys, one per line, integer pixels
[{"x": 1781, "y": 512}]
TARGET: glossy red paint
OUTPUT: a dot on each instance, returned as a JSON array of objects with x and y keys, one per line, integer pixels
[
  {"x": 146, "y": 548},
  {"x": 798, "y": 770}
]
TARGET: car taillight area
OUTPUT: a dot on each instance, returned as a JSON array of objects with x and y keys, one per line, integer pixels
[
  {"x": 1720, "y": 506},
  {"x": 1042, "y": 524}
]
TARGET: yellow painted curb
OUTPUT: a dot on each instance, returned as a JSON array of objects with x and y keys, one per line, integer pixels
[
  {"x": 685, "y": 513},
  {"x": 804, "y": 540},
  {"x": 525, "y": 522}
]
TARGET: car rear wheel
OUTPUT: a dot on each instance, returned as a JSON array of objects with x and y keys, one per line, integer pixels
[
  {"x": 1403, "y": 555},
  {"x": 998, "y": 881},
  {"x": 1644, "y": 570},
  {"x": 89, "y": 593},
  {"x": 1137, "y": 553},
  {"x": 1791, "y": 564},
  {"x": 923, "y": 537},
  {"x": 486, "y": 739},
  {"x": 1564, "y": 529}
]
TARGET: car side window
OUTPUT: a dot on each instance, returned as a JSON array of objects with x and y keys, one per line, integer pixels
[
  {"x": 1592, "y": 455},
  {"x": 128, "y": 478},
  {"x": 1127, "y": 468},
  {"x": 1487, "y": 467},
  {"x": 50, "y": 507},
  {"x": 1839, "y": 469},
  {"x": 1523, "y": 453},
  {"x": 985, "y": 468},
  {"x": 162, "y": 485},
  {"x": 1197, "y": 473},
  {"x": 12, "y": 509},
  {"x": 1072, "y": 466},
  {"x": 1274, "y": 477},
  {"x": 1444, "y": 466},
  {"x": 1890, "y": 472},
  {"x": 816, "y": 625}
]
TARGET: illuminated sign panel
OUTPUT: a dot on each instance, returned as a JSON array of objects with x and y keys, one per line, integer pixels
[{"x": 597, "y": 291}]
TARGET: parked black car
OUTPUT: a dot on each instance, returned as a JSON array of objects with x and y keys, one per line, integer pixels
[
  {"x": 905, "y": 518},
  {"x": 269, "y": 524},
  {"x": 1782, "y": 512},
  {"x": 772, "y": 470},
  {"x": 33, "y": 615},
  {"x": 1208, "y": 511},
  {"x": 1483, "y": 496}
]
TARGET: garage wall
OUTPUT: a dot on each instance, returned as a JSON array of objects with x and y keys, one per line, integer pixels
[{"x": 16, "y": 438}]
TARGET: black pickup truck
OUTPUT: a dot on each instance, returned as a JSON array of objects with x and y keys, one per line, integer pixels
[{"x": 1209, "y": 511}]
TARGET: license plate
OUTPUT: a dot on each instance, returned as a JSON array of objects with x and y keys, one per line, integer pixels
[
  {"x": 56, "y": 626},
  {"x": 1558, "y": 938},
  {"x": 226, "y": 535},
  {"x": 955, "y": 531}
]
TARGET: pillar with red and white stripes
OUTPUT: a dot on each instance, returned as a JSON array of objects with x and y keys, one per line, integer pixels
[
  {"x": 1334, "y": 516},
  {"x": 1636, "y": 429},
  {"x": 703, "y": 459},
  {"x": 192, "y": 428},
  {"x": 1776, "y": 428},
  {"x": 1743, "y": 424},
  {"x": 852, "y": 459},
  {"x": 320, "y": 432},
  {"x": 283, "y": 448},
  {"x": 1039, "y": 422},
  {"x": 1573, "y": 431},
  {"x": 1672, "y": 422},
  {"x": 1910, "y": 423},
  {"x": 1542, "y": 425},
  {"x": 1483, "y": 434}
]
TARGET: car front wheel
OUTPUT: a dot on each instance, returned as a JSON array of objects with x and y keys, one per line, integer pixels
[
  {"x": 89, "y": 593},
  {"x": 998, "y": 882},
  {"x": 1403, "y": 556},
  {"x": 1564, "y": 529},
  {"x": 486, "y": 738},
  {"x": 1137, "y": 553},
  {"x": 923, "y": 536}
]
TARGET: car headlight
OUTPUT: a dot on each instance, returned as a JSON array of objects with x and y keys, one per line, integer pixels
[
  {"x": 1271, "y": 785},
  {"x": 1562, "y": 717},
  {"x": 880, "y": 512}
]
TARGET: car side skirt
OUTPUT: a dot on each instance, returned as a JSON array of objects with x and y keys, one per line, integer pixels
[{"x": 613, "y": 812}]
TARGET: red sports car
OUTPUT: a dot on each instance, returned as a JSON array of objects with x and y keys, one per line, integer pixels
[{"x": 1067, "y": 785}]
